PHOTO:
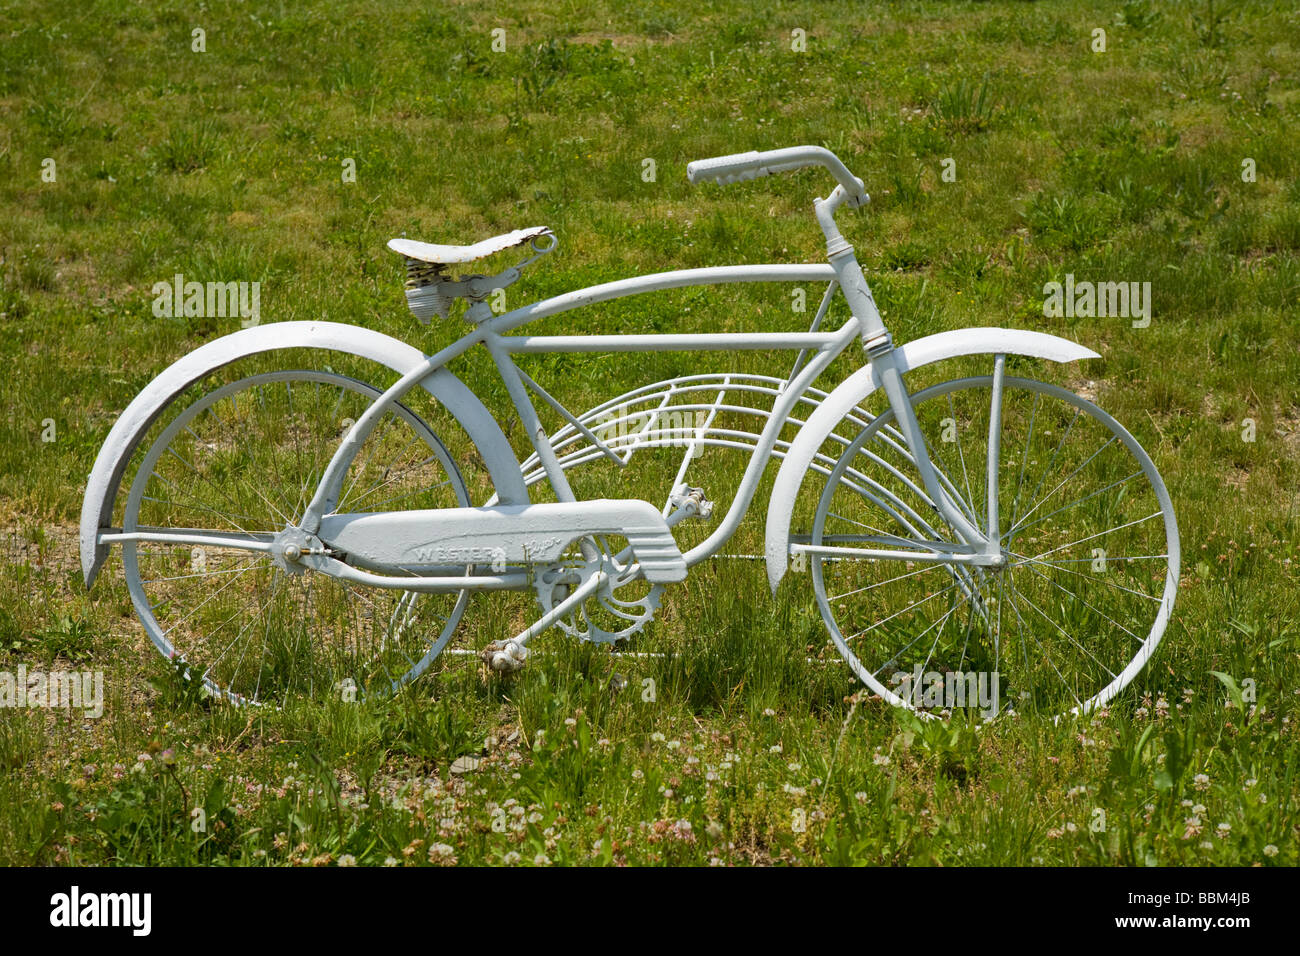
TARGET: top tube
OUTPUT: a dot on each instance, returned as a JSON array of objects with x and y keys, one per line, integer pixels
[{"x": 676, "y": 279}]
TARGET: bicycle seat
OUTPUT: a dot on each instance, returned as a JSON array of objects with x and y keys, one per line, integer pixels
[{"x": 439, "y": 255}]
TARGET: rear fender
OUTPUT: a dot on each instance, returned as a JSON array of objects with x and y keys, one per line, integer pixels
[{"x": 134, "y": 422}]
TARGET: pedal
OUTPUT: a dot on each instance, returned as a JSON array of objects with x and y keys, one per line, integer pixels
[
  {"x": 504, "y": 657},
  {"x": 691, "y": 501}
]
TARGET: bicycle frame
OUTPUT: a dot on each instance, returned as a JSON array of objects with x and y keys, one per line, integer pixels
[
  {"x": 817, "y": 349},
  {"x": 824, "y": 348}
]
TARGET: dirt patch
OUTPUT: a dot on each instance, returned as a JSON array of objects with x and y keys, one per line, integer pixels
[
  {"x": 55, "y": 547},
  {"x": 1287, "y": 427},
  {"x": 1085, "y": 388}
]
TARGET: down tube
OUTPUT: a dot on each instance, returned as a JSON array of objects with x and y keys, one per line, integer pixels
[{"x": 766, "y": 442}]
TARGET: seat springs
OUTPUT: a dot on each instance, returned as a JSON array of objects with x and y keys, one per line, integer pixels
[
  {"x": 420, "y": 274},
  {"x": 425, "y": 294}
]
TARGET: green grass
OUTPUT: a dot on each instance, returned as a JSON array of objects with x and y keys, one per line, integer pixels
[{"x": 226, "y": 165}]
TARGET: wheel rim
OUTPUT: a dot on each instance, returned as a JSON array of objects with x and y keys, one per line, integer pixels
[
  {"x": 244, "y": 459},
  {"x": 1063, "y": 628}
]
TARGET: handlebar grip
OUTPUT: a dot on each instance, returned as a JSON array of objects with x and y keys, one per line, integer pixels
[
  {"x": 724, "y": 170},
  {"x": 742, "y": 166}
]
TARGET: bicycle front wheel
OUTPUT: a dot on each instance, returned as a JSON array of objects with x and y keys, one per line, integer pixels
[{"x": 1086, "y": 528}]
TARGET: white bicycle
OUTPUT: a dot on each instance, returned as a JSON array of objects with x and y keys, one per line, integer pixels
[{"x": 291, "y": 528}]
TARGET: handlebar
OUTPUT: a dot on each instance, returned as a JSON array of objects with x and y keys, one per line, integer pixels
[{"x": 739, "y": 167}]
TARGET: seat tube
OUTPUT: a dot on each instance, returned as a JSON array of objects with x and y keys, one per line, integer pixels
[
  {"x": 537, "y": 436},
  {"x": 536, "y": 432}
]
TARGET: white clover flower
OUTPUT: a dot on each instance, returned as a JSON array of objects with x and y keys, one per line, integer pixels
[
  {"x": 541, "y": 860},
  {"x": 1270, "y": 850},
  {"x": 441, "y": 852}
]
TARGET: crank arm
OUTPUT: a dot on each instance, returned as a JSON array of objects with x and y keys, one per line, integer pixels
[{"x": 560, "y": 610}]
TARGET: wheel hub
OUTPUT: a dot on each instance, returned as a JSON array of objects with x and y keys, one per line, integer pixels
[{"x": 289, "y": 547}]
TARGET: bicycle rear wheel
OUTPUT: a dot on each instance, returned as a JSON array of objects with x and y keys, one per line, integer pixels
[{"x": 242, "y": 461}]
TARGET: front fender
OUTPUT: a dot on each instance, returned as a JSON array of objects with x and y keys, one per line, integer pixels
[
  {"x": 134, "y": 422},
  {"x": 850, "y": 392}
]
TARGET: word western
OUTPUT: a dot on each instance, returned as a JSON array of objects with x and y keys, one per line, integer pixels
[
  {"x": 63, "y": 689},
  {"x": 178, "y": 298},
  {"x": 1128, "y": 300}
]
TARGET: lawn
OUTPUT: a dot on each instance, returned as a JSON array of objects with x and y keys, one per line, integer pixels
[{"x": 1006, "y": 145}]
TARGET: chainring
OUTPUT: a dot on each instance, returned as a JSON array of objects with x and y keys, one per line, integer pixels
[{"x": 605, "y": 617}]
